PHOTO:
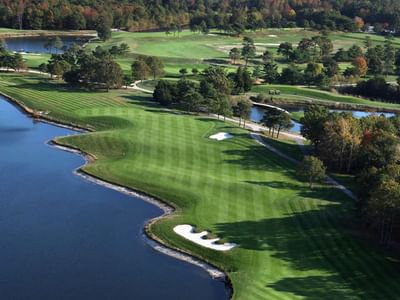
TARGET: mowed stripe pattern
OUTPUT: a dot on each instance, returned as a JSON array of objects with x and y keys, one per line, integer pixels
[{"x": 293, "y": 242}]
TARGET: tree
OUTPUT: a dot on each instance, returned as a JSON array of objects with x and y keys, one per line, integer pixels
[
  {"x": 183, "y": 72},
  {"x": 18, "y": 62},
  {"x": 292, "y": 75},
  {"x": 103, "y": 28},
  {"x": 217, "y": 77},
  {"x": 311, "y": 72},
  {"x": 384, "y": 203},
  {"x": 248, "y": 50},
  {"x": 271, "y": 73},
  {"x": 75, "y": 21},
  {"x": 359, "y": 23},
  {"x": 286, "y": 49},
  {"x": 361, "y": 66},
  {"x": 123, "y": 49},
  {"x": 234, "y": 55},
  {"x": 108, "y": 74},
  {"x": 195, "y": 71},
  {"x": 331, "y": 67},
  {"x": 155, "y": 65},
  {"x": 284, "y": 122},
  {"x": 140, "y": 70},
  {"x": 192, "y": 100},
  {"x": 312, "y": 170},
  {"x": 367, "y": 42},
  {"x": 243, "y": 110},
  {"x": 354, "y": 52},
  {"x": 42, "y": 68},
  {"x": 242, "y": 81},
  {"x": 222, "y": 106},
  {"x": 20, "y": 12},
  {"x": 127, "y": 80},
  {"x": 313, "y": 124},
  {"x": 163, "y": 93}
]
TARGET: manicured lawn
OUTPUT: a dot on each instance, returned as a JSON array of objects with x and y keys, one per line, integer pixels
[
  {"x": 294, "y": 243},
  {"x": 299, "y": 93}
]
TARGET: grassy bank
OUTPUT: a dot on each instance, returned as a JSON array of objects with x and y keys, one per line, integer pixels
[
  {"x": 309, "y": 95},
  {"x": 293, "y": 243},
  {"x": 9, "y": 33}
]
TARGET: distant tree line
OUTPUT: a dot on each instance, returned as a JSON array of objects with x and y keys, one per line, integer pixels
[
  {"x": 322, "y": 64},
  {"x": 230, "y": 16},
  {"x": 368, "y": 148}
]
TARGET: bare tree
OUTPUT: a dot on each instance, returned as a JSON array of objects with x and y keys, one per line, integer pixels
[{"x": 20, "y": 12}]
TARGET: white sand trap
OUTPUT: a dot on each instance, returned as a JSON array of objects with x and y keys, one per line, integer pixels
[
  {"x": 187, "y": 231},
  {"x": 272, "y": 35},
  {"x": 221, "y": 136}
]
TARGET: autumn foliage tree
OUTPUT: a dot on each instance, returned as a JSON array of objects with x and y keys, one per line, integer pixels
[{"x": 361, "y": 66}]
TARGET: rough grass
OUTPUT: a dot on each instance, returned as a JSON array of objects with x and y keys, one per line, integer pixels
[{"x": 293, "y": 242}]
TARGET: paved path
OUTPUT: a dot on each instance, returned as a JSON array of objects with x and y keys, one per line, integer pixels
[
  {"x": 329, "y": 179},
  {"x": 257, "y": 127},
  {"x": 30, "y": 71},
  {"x": 134, "y": 86}
]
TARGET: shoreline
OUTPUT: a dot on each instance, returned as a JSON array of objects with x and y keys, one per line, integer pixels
[
  {"x": 288, "y": 103},
  {"x": 48, "y": 33},
  {"x": 168, "y": 210}
]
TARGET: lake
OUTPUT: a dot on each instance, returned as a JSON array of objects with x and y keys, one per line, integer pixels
[
  {"x": 257, "y": 113},
  {"x": 65, "y": 238},
  {"x": 37, "y": 44}
]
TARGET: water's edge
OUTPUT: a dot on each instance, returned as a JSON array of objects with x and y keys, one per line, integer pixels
[{"x": 168, "y": 210}]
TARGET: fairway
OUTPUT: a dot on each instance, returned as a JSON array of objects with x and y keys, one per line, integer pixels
[
  {"x": 293, "y": 243},
  {"x": 293, "y": 93}
]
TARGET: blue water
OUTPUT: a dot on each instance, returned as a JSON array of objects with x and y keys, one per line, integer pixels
[
  {"x": 37, "y": 44},
  {"x": 257, "y": 113},
  {"x": 62, "y": 237}
]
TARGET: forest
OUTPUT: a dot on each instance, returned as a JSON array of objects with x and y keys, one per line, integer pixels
[{"x": 229, "y": 15}]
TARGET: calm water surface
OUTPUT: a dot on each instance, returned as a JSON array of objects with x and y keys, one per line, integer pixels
[
  {"x": 37, "y": 44},
  {"x": 257, "y": 113},
  {"x": 64, "y": 238}
]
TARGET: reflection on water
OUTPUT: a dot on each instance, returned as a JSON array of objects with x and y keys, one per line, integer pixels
[
  {"x": 257, "y": 113},
  {"x": 38, "y": 44}
]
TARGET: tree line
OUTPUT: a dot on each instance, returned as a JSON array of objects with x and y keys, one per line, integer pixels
[
  {"x": 322, "y": 65},
  {"x": 368, "y": 148},
  {"x": 211, "y": 95},
  {"x": 230, "y": 15}
]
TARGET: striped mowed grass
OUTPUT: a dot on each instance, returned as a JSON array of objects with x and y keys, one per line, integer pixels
[{"x": 293, "y": 243}]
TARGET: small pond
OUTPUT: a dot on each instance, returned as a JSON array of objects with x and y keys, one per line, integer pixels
[
  {"x": 257, "y": 113},
  {"x": 37, "y": 44}
]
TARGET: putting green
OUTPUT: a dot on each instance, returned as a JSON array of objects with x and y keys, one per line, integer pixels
[{"x": 293, "y": 243}]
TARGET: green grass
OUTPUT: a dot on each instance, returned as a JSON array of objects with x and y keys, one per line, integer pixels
[
  {"x": 294, "y": 243},
  {"x": 305, "y": 94}
]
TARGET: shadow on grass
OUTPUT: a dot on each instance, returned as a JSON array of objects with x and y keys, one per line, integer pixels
[
  {"x": 316, "y": 241},
  {"x": 326, "y": 193},
  {"x": 48, "y": 85}
]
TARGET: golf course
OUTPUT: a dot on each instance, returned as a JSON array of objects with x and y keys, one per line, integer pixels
[{"x": 292, "y": 242}]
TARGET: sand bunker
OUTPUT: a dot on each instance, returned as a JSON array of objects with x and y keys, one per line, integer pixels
[
  {"x": 272, "y": 35},
  {"x": 221, "y": 136},
  {"x": 187, "y": 231}
]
